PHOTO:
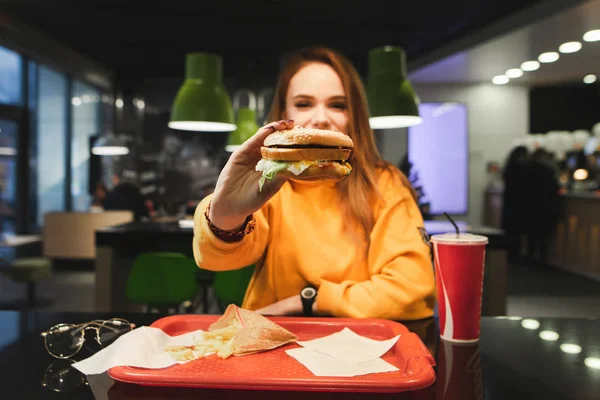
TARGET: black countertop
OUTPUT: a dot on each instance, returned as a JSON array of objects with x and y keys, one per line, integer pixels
[
  {"x": 149, "y": 231},
  {"x": 509, "y": 362},
  {"x": 144, "y": 228},
  {"x": 572, "y": 194},
  {"x": 595, "y": 195}
]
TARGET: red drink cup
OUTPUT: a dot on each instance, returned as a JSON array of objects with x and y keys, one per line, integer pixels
[
  {"x": 459, "y": 263},
  {"x": 459, "y": 372}
]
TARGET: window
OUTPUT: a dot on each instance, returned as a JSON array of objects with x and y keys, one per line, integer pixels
[
  {"x": 51, "y": 141},
  {"x": 438, "y": 148},
  {"x": 8, "y": 177},
  {"x": 86, "y": 122},
  {"x": 10, "y": 77}
]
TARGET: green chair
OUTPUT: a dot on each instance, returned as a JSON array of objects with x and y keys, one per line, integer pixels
[
  {"x": 29, "y": 271},
  {"x": 230, "y": 286},
  {"x": 162, "y": 280}
]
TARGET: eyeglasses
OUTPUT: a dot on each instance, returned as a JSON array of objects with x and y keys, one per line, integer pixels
[{"x": 65, "y": 340}]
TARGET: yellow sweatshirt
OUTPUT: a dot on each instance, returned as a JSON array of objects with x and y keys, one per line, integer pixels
[{"x": 299, "y": 239}]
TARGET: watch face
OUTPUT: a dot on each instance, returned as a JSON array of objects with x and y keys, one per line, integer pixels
[{"x": 308, "y": 292}]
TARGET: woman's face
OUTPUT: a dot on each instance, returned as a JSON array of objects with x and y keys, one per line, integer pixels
[{"x": 316, "y": 99}]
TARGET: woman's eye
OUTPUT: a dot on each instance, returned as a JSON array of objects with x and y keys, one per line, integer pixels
[
  {"x": 339, "y": 106},
  {"x": 302, "y": 104}
]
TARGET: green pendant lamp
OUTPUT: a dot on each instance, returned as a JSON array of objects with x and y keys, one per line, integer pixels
[
  {"x": 202, "y": 102},
  {"x": 393, "y": 102},
  {"x": 246, "y": 127},
  {"x": 109, "y": 145}
]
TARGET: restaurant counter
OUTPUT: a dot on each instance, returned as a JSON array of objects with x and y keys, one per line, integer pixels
[
  {"x": 576, "y": 246},
  {"x": 118, "y": 246},
  {"x": 510, "y": 361},
  {"x": 576, "y": 240}
]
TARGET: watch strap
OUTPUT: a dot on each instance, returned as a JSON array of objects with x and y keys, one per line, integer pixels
[{"x": 308, "y": 302}]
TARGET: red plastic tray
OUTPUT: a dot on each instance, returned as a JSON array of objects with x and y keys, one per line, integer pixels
[{"x": 276, "y": 370}]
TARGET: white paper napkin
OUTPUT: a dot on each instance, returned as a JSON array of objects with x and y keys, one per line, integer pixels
[
  {"x": 142, "y": 347},
  {"x": 349, "y": 347},
  {"x": 323, "y": 365}
]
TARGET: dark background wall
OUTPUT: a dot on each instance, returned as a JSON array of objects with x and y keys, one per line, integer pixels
[
  {"x": 188, "y": 163},
  {"x": 173, "y": 167},
  {"x": 566, "y": 107}
]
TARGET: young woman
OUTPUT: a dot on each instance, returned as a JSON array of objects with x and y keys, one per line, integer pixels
[{"x": 358, "y": 242}]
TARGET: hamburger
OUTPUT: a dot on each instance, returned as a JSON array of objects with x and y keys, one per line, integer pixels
[{"x": 305, "y": 154}]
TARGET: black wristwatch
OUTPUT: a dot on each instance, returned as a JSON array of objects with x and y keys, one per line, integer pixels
[{"x": 308, "y": 296}]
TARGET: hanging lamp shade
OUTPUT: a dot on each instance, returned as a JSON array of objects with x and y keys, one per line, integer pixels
[
  {"x": 393, "y": 102},
  {"x": 109, "y": 145},
  {"x": 202, "y": 102},
  {"x": 246, "y": 127}
]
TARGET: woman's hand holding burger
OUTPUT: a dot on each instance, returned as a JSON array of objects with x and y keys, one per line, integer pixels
[
  {"x": 237, "y": 192},
  {"x": 258, "y": 169}
]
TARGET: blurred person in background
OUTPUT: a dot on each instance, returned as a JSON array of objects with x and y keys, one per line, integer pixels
[
  {"x": 126, "y": 196},
  {"x": 540, "y": 206},
  {"x": 99, "y": 195},
  {"x": 513, "y": 218}
]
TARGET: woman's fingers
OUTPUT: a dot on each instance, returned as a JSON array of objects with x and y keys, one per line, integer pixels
[
  {"x": 237, "y": 188},
  {"x": 256, "y": 141}
]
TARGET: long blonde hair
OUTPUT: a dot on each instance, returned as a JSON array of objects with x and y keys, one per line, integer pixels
[{"x": 359, "y": 191}]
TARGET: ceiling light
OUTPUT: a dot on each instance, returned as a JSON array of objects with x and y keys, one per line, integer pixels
[
  {"x": 591, "y": 78},
  {"x": 570, "y": 47},
  {"x": 500, "y": 80},
  {"x": 394, "y": 121},
  {"x": 110, "y": 151},
  {"x": 109, "y": 145},
  {"x": 393, "y": 102},
  {"x": 532, "y": 324},
  {"x": 548, "y": 57},
  {"x": 202, "y": 103},
  {"x": 8, "y": 151},
  {"x": 530, "y": 65},
  {"x": 76, "y": 101},
  {"x": 119, "y": 103},
  {"x": 514, "y": 73},
  {"x": 592, "y": 362},
  {"x": 550, "y": 336},
  {"x": 580, "y": 174},
  {"x": 592, "y": 36},
  {"x": 570, "y": 348}
]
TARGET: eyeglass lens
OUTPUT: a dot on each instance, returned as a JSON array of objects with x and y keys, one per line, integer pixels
[
  {"x": 63, "y": 341},
  {"x": 110, "y": 330}
]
